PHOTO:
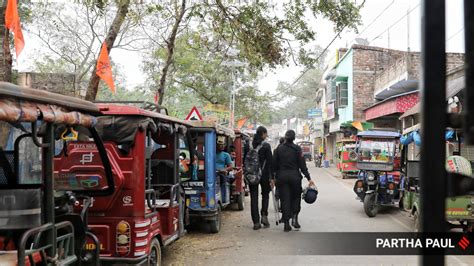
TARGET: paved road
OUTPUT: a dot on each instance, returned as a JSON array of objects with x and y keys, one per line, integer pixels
[{"x": 336, "y": 210}]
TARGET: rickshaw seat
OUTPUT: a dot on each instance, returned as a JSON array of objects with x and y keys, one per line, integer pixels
[
  {"x": 162, "y": 172},
  {"x": 21, "y": 209}
]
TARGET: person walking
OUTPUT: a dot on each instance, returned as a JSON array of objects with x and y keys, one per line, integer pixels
[
  {"x": 265, "y": 161},
  {"x": 289, "y": 163}
]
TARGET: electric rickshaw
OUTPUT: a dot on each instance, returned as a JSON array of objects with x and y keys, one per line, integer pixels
[
  {"x": 378, "y": 158},
  {"x": 149, "y": 155},
  {"x": 36, "y": 227},
  {"x": 307, "y": 148},
  {"x": 458, "y": 209},
  {"x": 346, "y": 164},
  {"x": 238, "y": 186},
  {"x": 209, "y": 192}
]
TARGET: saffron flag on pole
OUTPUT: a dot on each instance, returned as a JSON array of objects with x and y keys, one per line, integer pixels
[
  {"x": 104, "y": 69},
  {"x": 12, "y": 22},
  {"x": 241, "y": 122}
]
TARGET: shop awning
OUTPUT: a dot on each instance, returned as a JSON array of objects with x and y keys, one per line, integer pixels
[
  {"x": 359, "y": 125},
  {"x": 412, "y": 111},
  {"x": 394, "y": 105}
]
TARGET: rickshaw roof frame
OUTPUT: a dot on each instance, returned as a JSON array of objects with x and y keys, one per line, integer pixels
[
  {"x": 130, "y": 110},
  {"x": 145, "y": 105},
  {"x": 379, "y": 134},
  {"x": 239, "y": 132},
  {"x": 213, "y": 126},
  {"x": 9, "y": 90}
]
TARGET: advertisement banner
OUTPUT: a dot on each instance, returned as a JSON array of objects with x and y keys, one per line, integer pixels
[{"x": 315, "y": 112}]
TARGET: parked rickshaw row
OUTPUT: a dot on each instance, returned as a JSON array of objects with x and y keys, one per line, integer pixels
[
  {"x": 388, "y": 177},
  {"x": 107, "y": 183}
]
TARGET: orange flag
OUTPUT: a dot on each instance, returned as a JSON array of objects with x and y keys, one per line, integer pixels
[
  {"x": 241, "y": 122},
  {"x": 104, "y": 69},
  {"x": 12, "y": 22}
]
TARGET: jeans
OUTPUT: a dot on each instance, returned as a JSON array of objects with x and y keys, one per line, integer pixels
[{"x": 265, "y": 190}]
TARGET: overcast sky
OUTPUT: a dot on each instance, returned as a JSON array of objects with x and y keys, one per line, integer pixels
[
  {"x": 395, "y": 37},
  {"x": 376, "y": 32}
]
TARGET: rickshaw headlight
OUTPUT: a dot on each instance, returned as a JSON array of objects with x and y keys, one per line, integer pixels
[
  {"x": 370, "y": 176},
  {"x": 391, "y": 186}
]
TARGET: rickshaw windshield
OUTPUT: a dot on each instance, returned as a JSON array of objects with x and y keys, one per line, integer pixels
[
  {"x": 376, "y": 150},
  {"x": 21, "y": 161}
]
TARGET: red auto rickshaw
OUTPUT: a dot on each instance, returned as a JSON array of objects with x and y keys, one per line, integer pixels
[
  {"x": 146, "y": 211},
  {"x": 238, "y": 186}
]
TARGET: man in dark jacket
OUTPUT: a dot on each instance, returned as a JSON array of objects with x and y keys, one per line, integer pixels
[
  {"x": 265, "y": 160},
  {"x": 288, "y": 161}
]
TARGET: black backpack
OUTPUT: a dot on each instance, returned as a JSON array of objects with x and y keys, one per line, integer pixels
[{"x": 252, "y": 170}]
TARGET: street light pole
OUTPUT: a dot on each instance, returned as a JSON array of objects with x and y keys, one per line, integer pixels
[{"x": 234, "y": 64}]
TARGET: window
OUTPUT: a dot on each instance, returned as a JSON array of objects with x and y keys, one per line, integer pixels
[
  {"x": 331, "y": 92},
  {"x": 343, "y": 94}
]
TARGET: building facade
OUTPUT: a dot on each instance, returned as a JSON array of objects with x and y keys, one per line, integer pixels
[{"x": 348, "y": 90}]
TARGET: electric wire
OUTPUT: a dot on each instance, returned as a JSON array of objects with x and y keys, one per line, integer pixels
[{"x": 396, "y": 22}]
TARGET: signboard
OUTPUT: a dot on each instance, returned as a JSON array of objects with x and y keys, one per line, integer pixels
[
  {"x": 217, "y": 112},
  {"x": 331, "y": 110},
  {"x": 194, "y": 115},
  {"x": 315, "y": 112}
]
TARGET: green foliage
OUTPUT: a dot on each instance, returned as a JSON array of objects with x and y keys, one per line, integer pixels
[
  {"x": 299, "y": 97},
  {"x": 264, "y": 39},
  {"x": 123, "y": 94},
  {"x": 198, "y": 77}
]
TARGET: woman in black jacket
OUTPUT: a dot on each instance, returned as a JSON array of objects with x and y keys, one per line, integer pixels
[
  {"x": 265, "y": 159},
  {"x": 288, "y": 161}
]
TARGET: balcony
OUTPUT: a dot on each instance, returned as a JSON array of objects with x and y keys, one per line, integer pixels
[{"x": 400, "y": 77}]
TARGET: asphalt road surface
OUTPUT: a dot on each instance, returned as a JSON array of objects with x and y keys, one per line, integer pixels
[{"x": 336, "y": 210}]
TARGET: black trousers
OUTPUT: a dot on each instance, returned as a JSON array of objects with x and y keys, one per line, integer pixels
[
  {"x": 289, "y": 190},
  {"x": 265, "y": 187}
]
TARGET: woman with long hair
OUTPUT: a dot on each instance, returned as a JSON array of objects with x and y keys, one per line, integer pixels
[{"x": 265, "y": 161}]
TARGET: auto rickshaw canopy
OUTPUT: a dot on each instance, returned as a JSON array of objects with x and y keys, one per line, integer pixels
[
  {"x": 379, "y": 134},
  {"x": 20, "y": 104},
  {"x": 221, "y": 130}
]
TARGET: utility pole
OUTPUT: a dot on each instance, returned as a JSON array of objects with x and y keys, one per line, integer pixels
[{"x": 408, "y": 29}]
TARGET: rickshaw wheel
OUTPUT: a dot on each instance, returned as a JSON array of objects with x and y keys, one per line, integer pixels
[
  {"x": 416, "y": 218},
  {"x": 370, "y": 206},
  {"x": 344, "y": 175},
  {"x": 154, "y": 258},
  {"x": 215, "y": 225},
  {"x": 241, "y": 201}
]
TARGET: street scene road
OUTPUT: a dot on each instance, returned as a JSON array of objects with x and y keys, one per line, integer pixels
[{"x": 336, "y": 210}]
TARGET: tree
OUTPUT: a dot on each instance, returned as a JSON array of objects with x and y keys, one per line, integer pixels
[
  {"x": 109, "y": 41},
  {"x": 197, "y": 77},
  {"x": 170, "y": 45},
  {"x": 6, "y": 58},
  {"x": 72, "y": 35},
  {"x": 263, "y": 39},
  {"x": 299, "y": 97}
]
